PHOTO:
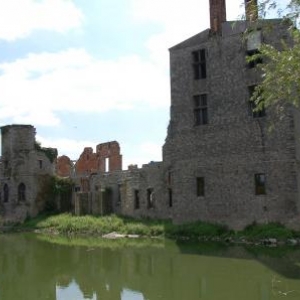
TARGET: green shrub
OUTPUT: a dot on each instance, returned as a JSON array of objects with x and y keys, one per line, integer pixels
[{"x": 270, "y": 230}]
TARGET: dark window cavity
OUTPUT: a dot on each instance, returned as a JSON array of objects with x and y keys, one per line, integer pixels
[
  {"x": 119, "y": 194},
  {"x": 260, "y": 184},
  {"x": 136, "y": 199},
  {"x": 6, "y": 192},
  {"x": 21, "y": 192},
  {"x": 150, "y": 198},
  {"x": 253, "y": 104},
  {"x": 200, "y": 186},
  {"x": 170, "y": 197},
  {"x": 199, "y": 64},
  {"x": 200, "y": 109},
  {"x": 40, "y": 162}
]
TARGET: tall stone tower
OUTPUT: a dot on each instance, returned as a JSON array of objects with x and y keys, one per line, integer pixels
[{"x": 23, "y": 162}]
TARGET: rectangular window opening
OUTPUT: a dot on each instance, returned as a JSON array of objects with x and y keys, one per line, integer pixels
[
  {"x": 200, "y": 186},
  {"x": 40, "y": 164},
  {"x": 260, "y": 184},
  {"x": 170, "y": 194},
  {"x": 136, "y": 199},
  {"x": 119, "y": 194},
  {"x": 107, "y": 164},
  {"x": 200, "y": 109},
  {"x": 150, "y": 198},
  {"x": 199, "y": 64}
]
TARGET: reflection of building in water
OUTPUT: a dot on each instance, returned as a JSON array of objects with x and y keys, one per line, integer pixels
[{"x": 36, "y": 270}]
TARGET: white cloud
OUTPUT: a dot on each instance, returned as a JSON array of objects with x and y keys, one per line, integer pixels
[
  {"x": 139, "y": 154},
  {"x": 35, "y": 87},
  {"x": 19, "y": 18},
  {"x": 65, "y": 146},
  {"x": 179, "y": 19}
]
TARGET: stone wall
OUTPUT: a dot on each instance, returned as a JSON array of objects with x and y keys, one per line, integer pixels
[
  {"x": 23, "y": 165},
  {"x": 233, "y": 146}
]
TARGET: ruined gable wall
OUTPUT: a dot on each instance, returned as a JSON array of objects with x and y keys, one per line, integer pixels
[
  {"x": 64, "y": 166},
  {"x": 87, "y": 162},
  {"x": 90, "y": 162}
]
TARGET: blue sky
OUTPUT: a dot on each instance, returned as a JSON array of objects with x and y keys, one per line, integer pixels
[{"x": 85, "y": 72}]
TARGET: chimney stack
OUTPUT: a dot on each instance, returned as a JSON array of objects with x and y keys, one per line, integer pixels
[
  {"x": 217, "y": 14},
  {"x": 251, "y": 10}
]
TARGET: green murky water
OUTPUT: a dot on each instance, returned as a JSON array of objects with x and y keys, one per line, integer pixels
[{"x": 36, "y": 268}]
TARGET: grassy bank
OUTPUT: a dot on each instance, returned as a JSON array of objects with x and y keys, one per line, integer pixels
[{"x": 66, "y": 224}]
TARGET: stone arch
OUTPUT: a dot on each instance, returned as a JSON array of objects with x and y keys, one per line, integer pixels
[
  {"x": 21, "y": 192},
  {"x": 5, "y": 193}
]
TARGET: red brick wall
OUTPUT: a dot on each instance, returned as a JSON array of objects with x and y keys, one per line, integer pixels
[
  {"x": 64, "y": 166},
  {"x": 217, "y": 14},
  {"x": 90, "y": 162}
]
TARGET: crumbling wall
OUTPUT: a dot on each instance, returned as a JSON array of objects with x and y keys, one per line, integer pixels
[
  {"x": 23, "y": 163},
  {"x": 64, "y": 166},
  {"x": 106, "y": 159}
]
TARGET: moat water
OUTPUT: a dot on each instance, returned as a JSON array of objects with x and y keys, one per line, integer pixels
[{"x": 35, "y": 267}]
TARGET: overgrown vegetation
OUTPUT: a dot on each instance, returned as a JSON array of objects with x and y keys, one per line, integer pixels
[
  {"x": 271, "y": 230},
  {"x": 66, "y": 224},
  {"x": 280, "y": 65}
]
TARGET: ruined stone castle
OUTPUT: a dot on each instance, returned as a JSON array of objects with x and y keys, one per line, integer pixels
[{"x": 221, "y": 161}]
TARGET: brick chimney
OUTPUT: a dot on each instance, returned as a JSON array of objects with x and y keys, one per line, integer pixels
[
  {"x": 251, "y": 10},
  {"x": 217, "y": 14}
]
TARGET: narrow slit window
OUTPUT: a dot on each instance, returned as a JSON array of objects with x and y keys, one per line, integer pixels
[
  {"x": 40, "y": 163},
  {"x": 136, "y": 199},
  {"x": 200, "y": 185},
  {"x": 107, "y": 164},
  {"x": 6, "y": 192},
  {"x": 170, "y": 196},
  {"x": 150, "y": 198},
  {"x": 21, "y": 192}
]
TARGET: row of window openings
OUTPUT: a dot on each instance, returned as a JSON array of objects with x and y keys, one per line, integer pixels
[
  {"x": 151, "y": 198},
  {"x": 201, "y": 110},
  {"x": 199, "y": 62},
  {"x": 259, "y": 180},
  {"x": 21, "y": 192},
  {"x": 259, "y": 183}
]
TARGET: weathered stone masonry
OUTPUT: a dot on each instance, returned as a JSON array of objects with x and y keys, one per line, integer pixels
[
  {"x": 232, "y": 147},
  {"x": 222, "y": 162},
  {"x": 24, "y": 171}
]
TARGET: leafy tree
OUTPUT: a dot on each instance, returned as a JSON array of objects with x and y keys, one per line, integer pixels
[{"x": 281, "y": 67}]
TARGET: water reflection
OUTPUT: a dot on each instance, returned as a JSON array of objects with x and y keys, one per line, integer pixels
[
  {"x": 72, "y": 291},
  {"x": 34, "y": 269}
]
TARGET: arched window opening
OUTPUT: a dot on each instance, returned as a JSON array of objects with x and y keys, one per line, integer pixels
[
  {"x": 22, "y": 192},
  {"x": 6, "y": 192}
]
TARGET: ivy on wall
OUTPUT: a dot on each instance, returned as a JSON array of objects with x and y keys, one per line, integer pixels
[{"x": 51, "y": 153}]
